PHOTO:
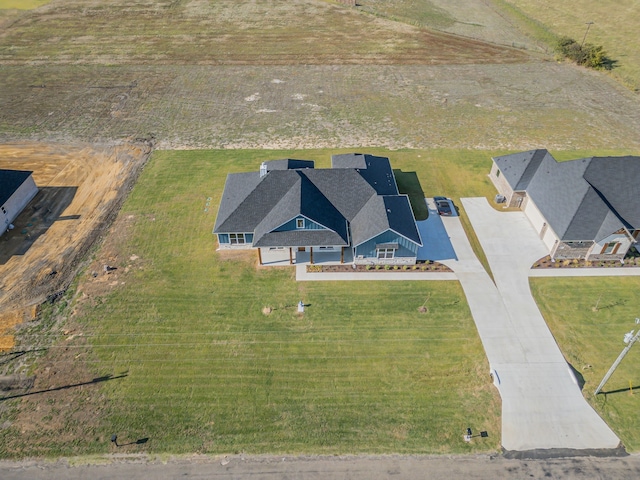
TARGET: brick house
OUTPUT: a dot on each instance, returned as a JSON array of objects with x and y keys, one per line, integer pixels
[{"x": 582, "y": 209}]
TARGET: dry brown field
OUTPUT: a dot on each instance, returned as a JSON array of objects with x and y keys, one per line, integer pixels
[{"x": 80, "y": 191}]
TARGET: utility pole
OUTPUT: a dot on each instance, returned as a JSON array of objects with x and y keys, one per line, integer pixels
[
  {"x": 588, "y": 24},
  {"x": 629, "y": 339}
]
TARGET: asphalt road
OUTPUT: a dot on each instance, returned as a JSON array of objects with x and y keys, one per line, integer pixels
[{"x": 351, "y": 468}]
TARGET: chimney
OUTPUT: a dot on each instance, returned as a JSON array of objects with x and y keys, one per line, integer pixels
[{"x": 263, "y": 169}]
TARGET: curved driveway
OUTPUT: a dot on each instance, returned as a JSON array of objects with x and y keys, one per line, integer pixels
[{"x": 542, "y": 405}]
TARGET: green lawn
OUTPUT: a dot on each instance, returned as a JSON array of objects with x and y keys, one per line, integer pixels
[
  {"x": 361, "y": 371},
  {"x": 591, "y": 340},
  {"x": 207, "y": 371}
]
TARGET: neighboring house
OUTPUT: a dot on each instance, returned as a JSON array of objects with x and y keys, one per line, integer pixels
[
  {"x": 17, "y": 189},
  {"x": 582, "y": 209},
  {"x": 353, "y": 207}
]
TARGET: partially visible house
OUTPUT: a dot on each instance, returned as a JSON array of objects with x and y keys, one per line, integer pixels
[
  {"x": 352, "y": 207},
  {"x": 582, "y": 209},
  {"x": 17, "y": 189}
]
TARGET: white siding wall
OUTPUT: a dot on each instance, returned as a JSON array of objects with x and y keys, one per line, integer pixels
[
  {"x": 16, "y": 203},
  {"x": 538, "y": 222}
]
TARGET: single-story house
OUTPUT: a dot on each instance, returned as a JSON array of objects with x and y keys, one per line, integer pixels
[
  {"x": 17, "y": 189},
  {"x": 587, "y": 208},
  {"x": 353, "y": 207}
]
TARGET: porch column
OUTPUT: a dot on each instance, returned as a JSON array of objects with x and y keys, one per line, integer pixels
[
  {"x": 290, "y": 256},
  {"x": 311, "y": 255},
  {"x": 259, "y": 256},
  {"x": 341, "y": 254}
]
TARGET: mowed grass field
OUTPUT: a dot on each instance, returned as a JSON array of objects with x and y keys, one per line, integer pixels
[
  {"x": 615, "y": 27},
  {"x": 206, "y": 371},
  {"x": 591, "y": 340},
  {"x": 22, "y": 4},
  {"x": 229, "y": 32}
]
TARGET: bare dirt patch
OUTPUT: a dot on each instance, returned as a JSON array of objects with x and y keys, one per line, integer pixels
[{"x": 81, "y": 189}]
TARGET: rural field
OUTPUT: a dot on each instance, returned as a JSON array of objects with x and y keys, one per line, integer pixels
[
  {"x": 615, "y": 27},
  {"x": 196, "y": 366},
  {"x": 302, "y": 74},
  {"x": 169, "y": 348}
]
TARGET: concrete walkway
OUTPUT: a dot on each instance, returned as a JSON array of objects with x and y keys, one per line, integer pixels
[
  {"x": 586, "y": 272},
  {"x": 542, "y": 406},
  {"x": 302, "y": 275}
]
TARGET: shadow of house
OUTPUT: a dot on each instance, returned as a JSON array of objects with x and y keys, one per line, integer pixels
[
  {"x": 37, "y": 217},
  {"x": 408, "y": 184}
]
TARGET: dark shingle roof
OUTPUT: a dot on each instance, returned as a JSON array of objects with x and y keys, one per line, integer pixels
[
  {"x": 514, "y": 166},
  {"x": 329, "y": 197},
  {"x": 303, "y": 198},
  {"x": 258, "y": 201},
  {"x": 348, "y": 160},
  {"x": 10, "y": 181},
  {"x": 583, "y": 199},
  {"x": 346, "y": 189},
  {"x": 617, "y": 179},
  {"x": 288, "y": 164},
  {"x": 382, "y": 213}
]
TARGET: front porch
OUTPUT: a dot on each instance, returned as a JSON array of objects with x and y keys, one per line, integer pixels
[{"x": 290, "y": 256}]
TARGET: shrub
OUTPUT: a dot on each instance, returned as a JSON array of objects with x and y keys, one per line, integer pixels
[{"x": 588, "y": 55}]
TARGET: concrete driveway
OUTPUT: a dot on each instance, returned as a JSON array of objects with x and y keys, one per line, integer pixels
[
  {"x": 436, "y": 245},
  {"x": 542, "y": 405}
]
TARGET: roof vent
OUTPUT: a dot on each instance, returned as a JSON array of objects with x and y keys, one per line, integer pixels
[{"x": 263, "y": 169}]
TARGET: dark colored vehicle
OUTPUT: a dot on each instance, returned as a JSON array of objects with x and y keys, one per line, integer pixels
[{"x": 443, "y": 205}]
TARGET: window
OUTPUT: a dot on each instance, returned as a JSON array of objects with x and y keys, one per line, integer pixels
[
  {"x": 299, "y": 222},
  {"x": 385, "y": 252},
  {"x": 3, "y": 210},
  {"x": 237, "y": 238},
  {"x": 497, "y": 173},
  {"x": 609, "y": 247}
]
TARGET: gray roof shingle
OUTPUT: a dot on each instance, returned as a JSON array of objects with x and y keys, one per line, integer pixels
[
  {"x": 330, "y": 197},
  {"x": 382, "y": 213},
  {"x": 10, "y": 181},
  {"x": 583, "y": 199},
  {"x": 617, "y": 179}
]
